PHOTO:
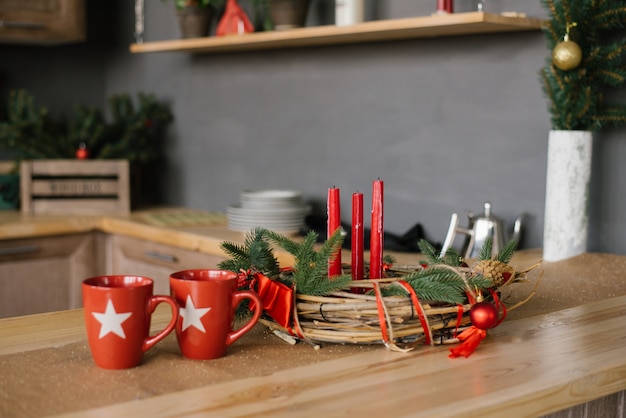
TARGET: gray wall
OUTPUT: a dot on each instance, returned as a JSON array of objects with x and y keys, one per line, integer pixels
[{"x": 447, "y": 123}]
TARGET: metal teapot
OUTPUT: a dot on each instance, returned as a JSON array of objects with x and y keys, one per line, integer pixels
[{"x": 478, "y": 230}]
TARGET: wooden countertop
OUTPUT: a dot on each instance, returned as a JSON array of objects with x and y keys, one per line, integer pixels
[
  {"x": 188, "y": 229},
  {"x": 196, "y": 230},
  {"x": 525, "y": 367},
  {"x": 563, "y": 347}
]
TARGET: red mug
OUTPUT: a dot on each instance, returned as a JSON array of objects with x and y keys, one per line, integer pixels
[
  {"x": 208, "y": 300},
  {"x": 117, "y": 312}
]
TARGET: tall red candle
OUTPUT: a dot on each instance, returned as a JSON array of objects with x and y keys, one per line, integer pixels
[
  {"x": 377, "y": 234},
  {"x": 357, "y": 236},
  {"x": 334, "y": 222},
  {"x": 445, "y": 6}
]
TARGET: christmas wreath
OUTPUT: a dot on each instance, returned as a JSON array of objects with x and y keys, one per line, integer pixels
[{"x": 441, "y": 300}]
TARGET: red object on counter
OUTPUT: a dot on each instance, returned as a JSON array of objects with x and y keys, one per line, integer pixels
[
  {"x": 377, "y": 234},
  {"x": 333, "y": 223},
  {"x": 357, "y": 236},
  {"x": 445, "y": 6},
  {"x": 234, "y": 21}
]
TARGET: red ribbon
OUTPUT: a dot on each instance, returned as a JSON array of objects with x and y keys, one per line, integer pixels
[
  {"x": 382, "y": 317},
  {"x": 277, "y": 299},
  {"x": 420, "y": 312},
  {"x": 459, "y": 318},
  {"x": 381, "y": 312},
  {"x": 500, "y": 306},
  {"x": 470, "y": 338}
]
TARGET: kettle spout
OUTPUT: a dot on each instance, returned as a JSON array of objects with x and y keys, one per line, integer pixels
[{"x": 517, "y": 228}]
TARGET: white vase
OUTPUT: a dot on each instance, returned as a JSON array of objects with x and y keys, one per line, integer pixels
[
  {"x": 566, "y": 223},
  {"x": 349, "y": 12}
]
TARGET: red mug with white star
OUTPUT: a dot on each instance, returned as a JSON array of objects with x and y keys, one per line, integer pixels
[
  {"x": 117, "y": 312},
  {"x": 208, "y": 300}
]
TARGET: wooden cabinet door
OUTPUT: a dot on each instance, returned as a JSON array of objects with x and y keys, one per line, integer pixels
[
  {"x": 45, "y": 274},
  {"x": 42, "y": 21},
  {"x": 132, "y": 256}
]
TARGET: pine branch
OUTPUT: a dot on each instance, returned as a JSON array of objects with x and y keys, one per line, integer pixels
[
  {"x": 486, "y": 250},
  {"x": 310, "y": 269},
  {"x": 254, "y": 254},
  {"x": 450, "y": 258},
  {"x": 438, "y": 284},
  {"x": 429, "y": 251},
  {"x": 479, "y": 282},
  {"x": 32, "y": 133},
  {"x": 576, "y": 96},
  {"x": 507, "y": 252},
  {"x": 287, "y": 244}
]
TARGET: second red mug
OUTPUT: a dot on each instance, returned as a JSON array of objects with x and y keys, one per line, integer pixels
[{"x": 208, "y": 300}]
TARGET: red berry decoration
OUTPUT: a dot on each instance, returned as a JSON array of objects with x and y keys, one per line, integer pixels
[
  {"x": 484, "y": 315},
  {"x": 82, "y": 153}
]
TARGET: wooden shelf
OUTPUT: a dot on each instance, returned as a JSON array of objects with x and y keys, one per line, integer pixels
[{"x": 374, "y": 31}]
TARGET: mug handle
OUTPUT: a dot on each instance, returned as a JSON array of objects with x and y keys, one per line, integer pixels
[
  {"x": 152, "y": 304},
  {"x": 258, "y": 310}
]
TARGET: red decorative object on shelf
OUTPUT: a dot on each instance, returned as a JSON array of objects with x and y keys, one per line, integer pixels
[
  {"x": 234, "y": 21},
  {"x": 82, "y": 153}
]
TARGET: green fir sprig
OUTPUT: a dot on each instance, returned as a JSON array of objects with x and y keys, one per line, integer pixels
[
  {"x": 450, "y": 258},
  {"x": 254, "y": 255},
  {"x": 507, "y": 252},
  {"x": 441, "y": 283},
  {"x": 310, "y": 269},
  {"x": 504, "y": 255}
]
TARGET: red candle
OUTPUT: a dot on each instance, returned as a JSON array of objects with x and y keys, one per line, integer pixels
[
  {"x": 445, "y": 6},
  {"x": 377, "y": 235},
  {"x": 357, "y": 236},
  {"x": 334, "y": 222}
]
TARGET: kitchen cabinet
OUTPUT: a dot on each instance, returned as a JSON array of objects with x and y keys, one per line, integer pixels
[
  {"x": 133, "y": 256},
  {"x": 44, "y": 274},
  {"x": 454, "y": 24},
  {"x": 44, "y": 22}
]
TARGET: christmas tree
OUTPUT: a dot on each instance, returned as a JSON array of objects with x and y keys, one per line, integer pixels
[{"x": 588, "y": 48}]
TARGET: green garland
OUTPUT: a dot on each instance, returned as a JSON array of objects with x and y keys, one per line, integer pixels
[
  {"x": 28, "y": 130},
  {"x": 577, "y": 97}
]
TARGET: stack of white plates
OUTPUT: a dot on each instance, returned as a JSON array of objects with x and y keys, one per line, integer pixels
[{"x": 278, "y": 210}]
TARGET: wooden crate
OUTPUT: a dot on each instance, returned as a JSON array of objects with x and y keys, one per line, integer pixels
[{"x": 86, "y": 187}]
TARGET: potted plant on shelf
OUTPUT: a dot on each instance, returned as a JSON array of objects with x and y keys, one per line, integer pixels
[
  {"x": 286, "y": 14},
  {"x": 587, "y": 59},
  {"x": 194, "y": 16}
]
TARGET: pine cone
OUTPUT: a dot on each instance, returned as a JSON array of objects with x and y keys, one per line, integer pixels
[{"x": 497, "y": 271}]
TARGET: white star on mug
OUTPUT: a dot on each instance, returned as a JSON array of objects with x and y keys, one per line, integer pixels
[
  {"x": 111, "y": 321},
  {"x": 192, "y": 315}
]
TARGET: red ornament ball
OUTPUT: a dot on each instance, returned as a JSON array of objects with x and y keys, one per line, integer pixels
[
  {"x": 484, "y": 315},
  {"x": 82, "y": 153}
]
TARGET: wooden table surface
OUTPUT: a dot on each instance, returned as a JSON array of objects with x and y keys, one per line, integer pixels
[{"x": 528, "y": 366}]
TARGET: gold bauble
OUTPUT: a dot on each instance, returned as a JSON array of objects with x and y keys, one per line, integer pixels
[{"x": 567, "y": 55}]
